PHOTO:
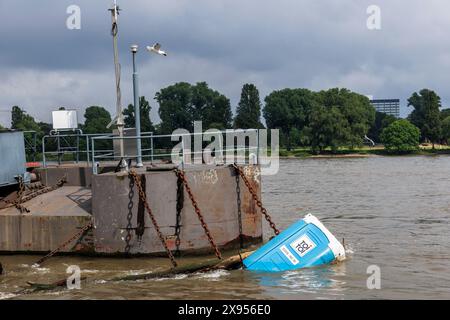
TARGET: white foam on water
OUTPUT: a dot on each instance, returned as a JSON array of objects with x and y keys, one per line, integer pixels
[
  {"x": 89, "y": 271},
  {"x": 100, "y": 281},
  {"x": 213, "y": 275},
  {"x": 7, "y": 295},
  {"x": 39, "y": 269},
  {"x": 349, "y": 249},
  {"x": 136, "y": 272},
  {"x": 176, "y": 277}
]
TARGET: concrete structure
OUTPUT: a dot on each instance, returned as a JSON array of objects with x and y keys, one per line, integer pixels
[
  {"x": 56, "y": 216},
  {"x": 77, "y": 175},
  {"x": 388, "y": 106},
  {"x": 215, "y": 191}
]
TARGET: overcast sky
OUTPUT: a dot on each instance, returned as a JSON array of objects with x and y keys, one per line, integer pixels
[{"x": 273, "y": 44}]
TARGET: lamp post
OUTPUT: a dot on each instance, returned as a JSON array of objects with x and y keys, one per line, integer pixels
[
  {"x": 156, "y": 48},
  {"x": 137, "y": 109}
]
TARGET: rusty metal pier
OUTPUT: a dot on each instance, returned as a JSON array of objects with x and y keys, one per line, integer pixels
[{"x": 111, "y": 201}]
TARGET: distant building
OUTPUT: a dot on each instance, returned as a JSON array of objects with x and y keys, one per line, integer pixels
[{"x": 388, "y": 106}]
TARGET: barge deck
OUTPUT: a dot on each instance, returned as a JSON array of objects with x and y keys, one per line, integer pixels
[{"x": 121, "y": 225}]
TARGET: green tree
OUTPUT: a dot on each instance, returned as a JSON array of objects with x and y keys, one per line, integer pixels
[
  {"x": 401, "y": 136},
  {"x": 175, "y": 107},
  {"x": 355, "y": 108},
  {"x": 446, "y": 129},
  {"x": 210, "y": 107},
  {"x": 182, "y": 103},
  {"x": 382, "y": 120},
  {"x": 146, "y": 122},
  {"x": 287, "y": 109},
  {"x": 426, "y": 114},
  {"x": 248, "y": 112},
  {"x": 20, "y": 120},
  {"x": 307, "y": 111},
  {"x": 445, "y": 113},
  {"x": 327, "y": 127},
  {"x": 96, "y": 120}
]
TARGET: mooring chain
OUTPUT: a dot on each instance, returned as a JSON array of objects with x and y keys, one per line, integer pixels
[
  {"x": 21, "y": 189},
  {"x": 182, "y": 176},
  {"x": 180, "y": 205},
  {"x": 256, "y": 199},
  {"x": 22, "y": 197},
  {"x": 74, "y": 237},
  {"x": 18, "y": 202},
  {"x": 43, "y": 190},
  {"x": 129, "y": 215},
  {"x": 152, "y": 217},
  {"x": 239, "y": 211}
]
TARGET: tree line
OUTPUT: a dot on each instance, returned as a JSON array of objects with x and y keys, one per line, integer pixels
[{"x": 322, "y": 120}]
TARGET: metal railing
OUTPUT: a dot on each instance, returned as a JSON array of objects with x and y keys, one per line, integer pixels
[
  {"x": 64, "y": 146},
  {"x": 30, "y": 139},
  {"x": 100, "y": 147},
  {"x": 166, "y": 150},
  {"x": 98, "y": 155}
]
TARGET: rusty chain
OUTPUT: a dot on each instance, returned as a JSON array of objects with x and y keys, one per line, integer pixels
[
  {"x": 137, "y": 180},
  {"x": 182, "y": 176},
  {"x": 19, "y": 199},
  {"x": 180, "y": 205},
  {"x": 18, "y": 202},
  {"x": 74, "y": 237},
  {"x": 256, "y": 199},
  {"x": 43, "y": 190},
  {"x": 23, "y": 197},
  {"x": 239, "y": 211},
  {"x": 129, "y": 215}
]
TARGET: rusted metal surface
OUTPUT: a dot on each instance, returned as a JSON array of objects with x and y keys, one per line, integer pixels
[
  {"x": 143, "y": 198},
  {"x": 197, "y": 210},
  {"x": 256, "y": 198},
  {"x": 215, "y": 191},
  {"x": 6, "y": 201},
  {"x": 76, "y": 175},
  {"x": 56, "y": 215},
  {"x": 52, "y": 217},
  {"x": 28, "y": 192},
  {"x": 67, "y": 242}
]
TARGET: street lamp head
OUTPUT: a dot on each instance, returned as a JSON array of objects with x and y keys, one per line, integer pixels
[
  {"x": 156, "y": 48},
  {"x": 134, "y": 48}
]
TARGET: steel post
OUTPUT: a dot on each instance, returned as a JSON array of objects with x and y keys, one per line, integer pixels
[{"x": 137, "y": 110}]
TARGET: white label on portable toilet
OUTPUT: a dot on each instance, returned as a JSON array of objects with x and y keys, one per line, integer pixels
[
  {"x": 289, "y": 255},
  {"x": 303, "y": 245}
]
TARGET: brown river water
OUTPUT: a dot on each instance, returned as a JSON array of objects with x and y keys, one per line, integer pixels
[{"x": 394, "y": 212}]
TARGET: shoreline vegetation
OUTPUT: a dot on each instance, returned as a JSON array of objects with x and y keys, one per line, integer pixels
[
  {"x": 316, "y": 124},
  {"x": 362, "y": 152}
]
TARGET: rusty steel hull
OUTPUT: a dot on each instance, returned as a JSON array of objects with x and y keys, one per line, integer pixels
[
  {"x": 53, "y": 218},
  {"x": 56, "y": 216},
  {"x": 215, "y": 191}
]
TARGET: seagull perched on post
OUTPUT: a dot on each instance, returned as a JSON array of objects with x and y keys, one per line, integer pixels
[{"x": 156, "y": 48}]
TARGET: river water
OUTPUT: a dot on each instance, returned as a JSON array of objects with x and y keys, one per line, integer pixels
[{"x": 393, "y": 212}]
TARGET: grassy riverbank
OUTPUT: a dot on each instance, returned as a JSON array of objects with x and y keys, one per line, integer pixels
[{"x": 345, "y": 152}]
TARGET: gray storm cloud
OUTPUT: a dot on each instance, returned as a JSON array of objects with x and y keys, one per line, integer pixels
[{"x": 274, "y": 44}]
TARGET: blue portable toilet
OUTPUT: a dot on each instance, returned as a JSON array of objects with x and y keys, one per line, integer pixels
[{"x": 306, "y": 243}]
